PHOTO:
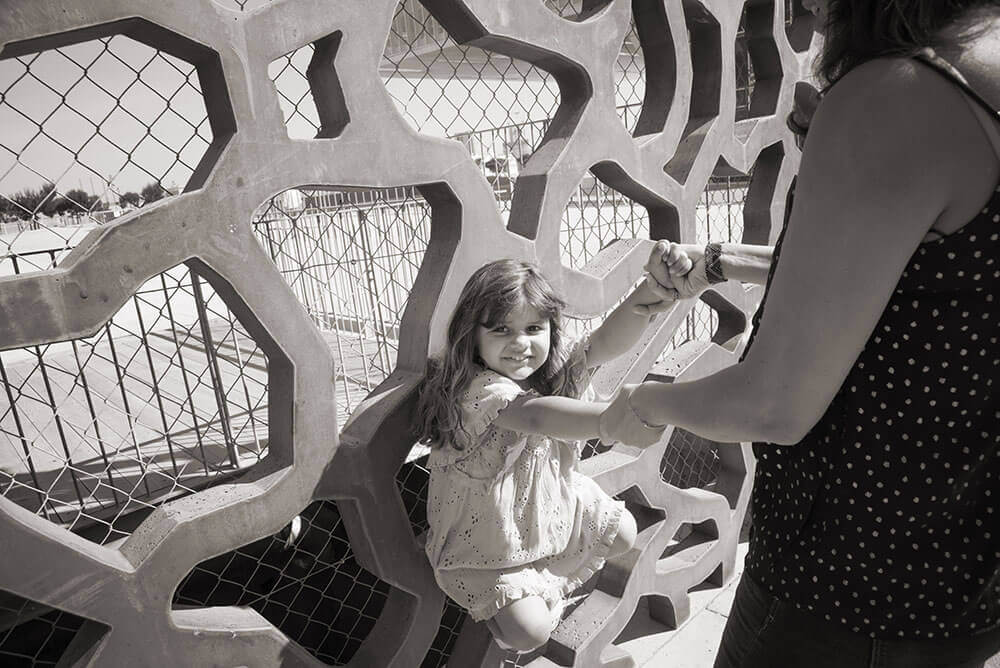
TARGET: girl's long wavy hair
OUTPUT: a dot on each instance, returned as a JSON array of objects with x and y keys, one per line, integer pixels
[
  {"x": 487, "y": 298},
  {"x": 861, "y": 30}
]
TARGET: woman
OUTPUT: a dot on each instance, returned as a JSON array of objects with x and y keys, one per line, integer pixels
[{"x": 869, "y": 384}]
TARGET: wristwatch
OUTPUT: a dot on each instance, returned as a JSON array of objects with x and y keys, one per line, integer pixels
[{"x": 713, "y": 265}]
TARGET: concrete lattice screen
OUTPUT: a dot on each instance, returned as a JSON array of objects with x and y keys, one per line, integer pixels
[{"x": 350, "y": 165}]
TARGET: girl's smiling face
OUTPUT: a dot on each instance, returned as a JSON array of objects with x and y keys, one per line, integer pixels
[{"x": 518, "y": 345}]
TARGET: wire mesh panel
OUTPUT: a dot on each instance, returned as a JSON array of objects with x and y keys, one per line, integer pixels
[
  {"x": 451, "y": 623},
  {"x": 294, "y": 95},
  {"x": 310, "y": 587},
  {"x": 91, "y": 131},
  {"x": 744, "y": 72},
  {"x": 33, "y": 635},
  {"x": 690, "y": 461},
  {"x": 351, "y": 257},
  {"x": 498, "y": 107},
  {"x": 167, "y": 398},
  {"x": 167, "y": 395},
  {"x": 595, "y": 217},
  {"x": 413, "y": 480}
]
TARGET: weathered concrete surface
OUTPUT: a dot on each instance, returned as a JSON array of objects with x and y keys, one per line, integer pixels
[{"x": 686, "y": 131}]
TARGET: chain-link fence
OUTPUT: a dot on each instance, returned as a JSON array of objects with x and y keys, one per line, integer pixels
[
  {"x": 40, "y": 635},
  {"x": 170, "y": 396}
]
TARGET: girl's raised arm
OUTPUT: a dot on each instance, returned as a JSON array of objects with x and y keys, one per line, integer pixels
[{"x": 623, "y": 327}]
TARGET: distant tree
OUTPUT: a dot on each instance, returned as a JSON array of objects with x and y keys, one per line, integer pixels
[
  {"x": 61, "y": 205},
  {"x": 76, "y": 202},
  {"x": 152, "y": 191},
  {"x": 34, "y": 200},
  {"x": 7, "y": 208},
  {"x": 81, "y": 198},
  {"x": 130, "y": 199}
]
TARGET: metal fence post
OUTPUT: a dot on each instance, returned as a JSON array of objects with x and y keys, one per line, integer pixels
[{"x": 213, "y": 365}]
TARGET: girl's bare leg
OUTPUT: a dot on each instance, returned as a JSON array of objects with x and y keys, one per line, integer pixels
[
  {"x": 494, "y": 628},
  {"x": 523, "y": 625}
]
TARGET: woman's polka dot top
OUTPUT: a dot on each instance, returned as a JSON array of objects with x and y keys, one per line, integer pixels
[{"x": 883, "y": 519}]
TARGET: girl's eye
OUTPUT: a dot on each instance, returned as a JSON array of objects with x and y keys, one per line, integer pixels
[
  {"x": 535, "y": 328},
  {"x": 500, "y": 329}
]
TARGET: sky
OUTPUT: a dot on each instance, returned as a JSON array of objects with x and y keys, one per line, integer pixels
[{"x": 102, "y": 112}]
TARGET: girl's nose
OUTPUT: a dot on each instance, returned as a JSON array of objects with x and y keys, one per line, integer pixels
[{"x": 522, "y": 340}]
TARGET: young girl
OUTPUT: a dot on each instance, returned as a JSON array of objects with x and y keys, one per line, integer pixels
[{"x": 514, "y": 527}]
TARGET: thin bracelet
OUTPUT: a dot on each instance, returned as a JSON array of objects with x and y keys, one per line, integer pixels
[
  {"x": 713, "y": 265},
  {"x": 642, "y": 421}
]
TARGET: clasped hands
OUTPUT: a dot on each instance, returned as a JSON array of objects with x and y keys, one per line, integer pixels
[{"x": 673, "y": 272}]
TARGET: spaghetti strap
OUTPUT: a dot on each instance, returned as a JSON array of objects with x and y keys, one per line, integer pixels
[
  {"x": 991, "y": 125},
  {"x": 987, "y": 116}
]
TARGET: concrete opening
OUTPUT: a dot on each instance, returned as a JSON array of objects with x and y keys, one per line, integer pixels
[
  {"x": 351, "y": 256},
  {"x": 310, "y": 587},
  {"x": 94, "y": 130},
  {"x": 758, "y": 65},
  {"x": 705, "y": 49},
  {"x": 499, "y": 107},
  {"x": 309, "y": 92},
  {"x": 576, "y": 10},
  {"x": 169, "y": 397},
  {"x": 689, "y": 543},
  {"x": 799, "y": 25},
  {"x": 32, "y": 634}
]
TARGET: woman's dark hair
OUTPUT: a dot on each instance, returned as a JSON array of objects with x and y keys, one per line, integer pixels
[
  {"x": 488, "y": 296},
  {"x": 860, "y": 30}
]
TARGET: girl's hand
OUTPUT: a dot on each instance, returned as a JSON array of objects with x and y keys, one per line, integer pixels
[
  {"x": 619, "y": 423},
  {"x": 659, "y": 298}
]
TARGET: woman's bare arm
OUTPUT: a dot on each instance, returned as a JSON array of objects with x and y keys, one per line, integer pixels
[
  {"x": 889, "y": 148},
  {"x": 747, "y": 263}
]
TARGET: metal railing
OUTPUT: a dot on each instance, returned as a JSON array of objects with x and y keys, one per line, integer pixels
[{"x": 169, "y": 396}]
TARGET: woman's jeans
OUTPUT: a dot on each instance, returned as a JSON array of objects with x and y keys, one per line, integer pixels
[{"x": 765, "y": 632}]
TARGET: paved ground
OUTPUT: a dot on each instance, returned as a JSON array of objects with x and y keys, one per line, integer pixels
[{"x": 694, "y": 643}]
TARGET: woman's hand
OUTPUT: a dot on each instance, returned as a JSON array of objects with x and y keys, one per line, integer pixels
[
  {"x": 619, "y": 423},
  {"x": 678, "y": 271}
]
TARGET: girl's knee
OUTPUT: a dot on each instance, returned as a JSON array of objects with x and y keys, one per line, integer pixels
[
  {"x": 526, "y": 638},
  {"x": 525, "y": 624},
  {"x": 627, "y": 532}
]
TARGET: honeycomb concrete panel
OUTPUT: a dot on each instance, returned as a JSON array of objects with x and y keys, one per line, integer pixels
[{"x": 685, "y": 129}]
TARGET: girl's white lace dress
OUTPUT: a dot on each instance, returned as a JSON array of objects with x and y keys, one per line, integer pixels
[{"x": 510, "y": 516}]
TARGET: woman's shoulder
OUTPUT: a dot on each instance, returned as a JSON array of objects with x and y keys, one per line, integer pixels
[
  {"x": 891, "y": 83},
  {"x": 898, "y": 112}
]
